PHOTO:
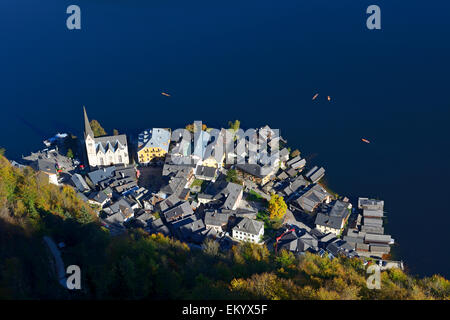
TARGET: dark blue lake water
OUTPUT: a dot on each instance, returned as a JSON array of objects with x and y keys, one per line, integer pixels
[{"x": 260, "y": 62}]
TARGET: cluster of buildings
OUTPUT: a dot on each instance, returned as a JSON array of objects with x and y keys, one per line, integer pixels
[
  {"x": 196, "y": 200},
  {"x": 367, "y": 236}
]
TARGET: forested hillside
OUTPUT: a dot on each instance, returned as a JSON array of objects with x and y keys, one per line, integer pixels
[{"x": 138, "y": 266}]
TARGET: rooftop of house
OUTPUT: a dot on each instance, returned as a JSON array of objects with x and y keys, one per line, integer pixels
[
  {"x": 315, "y": 174},
  {"x": 180, "y": 210},
  {"x": 333, "y": 215},
  {"x": 123, "y": 206},
  {"x": 79, "y": 182},
  {"x": 293, "y": 186},
  {"x": 204, "y": 171},
  {"x": 298, "y": 242},
  {"x": 312, "y": 197},
  {"x": 98, "y": 196},
  {"x": 216, "y": 219},
  {"x": 172, "y": 169},
  {"x": 299, "y": 164},
  {"x": 339, "y": 246},
  {"x": 249, "y": 226},
  {"x": 101, "y": 174},
  {"x": 255, "y": 169},
  {"x": 222, "y": 190},
  {"x": 46, "y": 166},
  {"x": 293, "y": 160},
  {"x": 169, "y": 202},
  {"x": 370, "y": 204},
  {"x": 154, "y": 138}
]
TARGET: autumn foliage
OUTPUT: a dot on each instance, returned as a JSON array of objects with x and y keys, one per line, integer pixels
[{"x": 137, "y": 265}]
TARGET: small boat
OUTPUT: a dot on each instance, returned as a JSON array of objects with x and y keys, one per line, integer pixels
[
  {"x": 329, "y": 98},
  {"x": 365, "y": 140},
  {"x": 315, "y": 96},
  {"x": 165, "y": 94}
]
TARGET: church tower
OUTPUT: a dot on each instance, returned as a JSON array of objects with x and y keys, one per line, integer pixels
[{"x": 89, "y": 141}]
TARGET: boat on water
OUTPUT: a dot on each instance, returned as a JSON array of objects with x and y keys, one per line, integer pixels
[
  {"x": 329, "y": 98},
  {"x": 54, "y": 139},
  {"x": 365, "y": 140},
  {"x": 165, "y": 94},
  {"x": 315, "y": 96}
]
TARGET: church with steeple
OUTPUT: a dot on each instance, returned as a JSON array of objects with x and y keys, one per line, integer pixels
[{"x": 107, "y": 150}]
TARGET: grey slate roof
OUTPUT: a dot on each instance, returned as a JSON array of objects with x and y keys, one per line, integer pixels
[
  {"x": 312, "y": 198},
  {"x": 216, "y": 219},
  {"x": 101, "y": 174},
  {"x": 180, "y": 210},
  {"x": 370, "y": 204},
  {"x": 372, "y": 229},
  {"x": 299, "y": 182},
  {"x": 377, "y": 238},
  {"x": 228, "y": 192},
  {"x": 232, "y": 193},
  {"x": 44, "y": 166},
  {"x": 299, "y": 164},
  {"x": 293, "y": 160},
  {"x": 283, "y": 175},
  {"x": 315, "y": 174},
  {"x": 255, "y": 169},
  {"x": 79, "y": 182},
  {"x": 334, "y": 215},
  {"x": 373, "y": 213},
  {"x": 122, "y": 206},
  {"x": 115, "y": 218},
  {"x": 292, "y": 172},
  {"x": 249, "y": 226},
  {"x": 98, "y": 196},
  {"x": 373, "y": 222},
  {"x": 206, "y": 172},
  {"x": 299, "y": 243}
]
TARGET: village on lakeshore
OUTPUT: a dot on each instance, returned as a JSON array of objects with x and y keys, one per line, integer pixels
[{"x": 154, "y": 182}]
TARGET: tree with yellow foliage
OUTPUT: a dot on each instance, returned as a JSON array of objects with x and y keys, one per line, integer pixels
[{"x": 277, "y": 207}]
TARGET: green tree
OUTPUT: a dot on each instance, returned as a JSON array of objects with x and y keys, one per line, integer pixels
[
  {"x": 210, "y": 247},
  {"x": 69, "y": 154},
  {"x": 115, "y": 132},
  {"x": 2, "y": 151},
  {"x": 277, "y": 207},
  {"x": 234, "y": 125},
  {"x": 232, "y": 176},
  {"x": 97, "y": 129}
]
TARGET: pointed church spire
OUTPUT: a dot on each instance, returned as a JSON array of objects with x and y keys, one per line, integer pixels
[{"x": 87, "y": 126}]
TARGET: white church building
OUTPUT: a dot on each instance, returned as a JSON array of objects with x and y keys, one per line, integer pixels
[{"x": 107, "y": 150}]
